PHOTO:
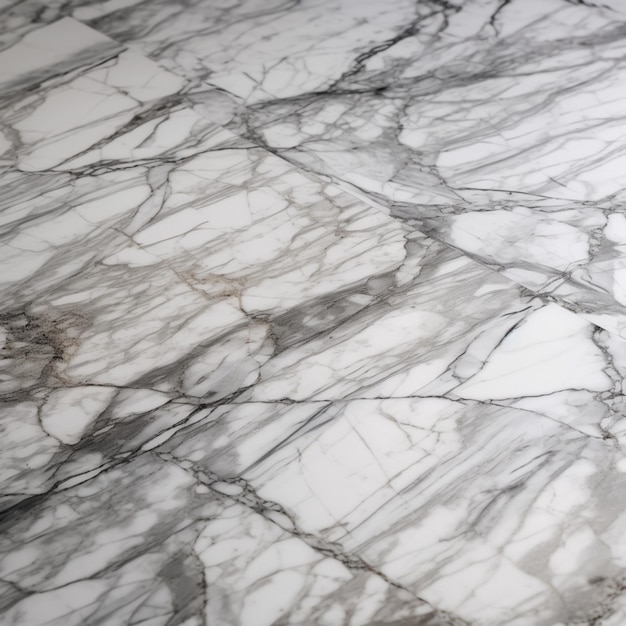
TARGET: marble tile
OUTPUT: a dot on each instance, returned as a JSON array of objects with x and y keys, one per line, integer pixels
[
  {"x": 152, "y": 263},
  {"x": 494, "y": 126},
  {"x": 50, "y": 52},
  {"x": 235, "y": 394}
]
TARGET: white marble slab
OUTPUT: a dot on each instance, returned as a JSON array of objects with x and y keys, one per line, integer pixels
[
  {"x": 493, "y": 126},
  {"x": 234, "y": 394}
]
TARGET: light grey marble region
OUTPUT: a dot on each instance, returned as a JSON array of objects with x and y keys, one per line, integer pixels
[{"x": 313, "y": 313}]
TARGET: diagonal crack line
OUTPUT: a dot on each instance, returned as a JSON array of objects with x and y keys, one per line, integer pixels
[{"x": 244, "y": 494}]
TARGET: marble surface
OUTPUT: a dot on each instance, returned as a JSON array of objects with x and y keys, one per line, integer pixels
[
  {"x": 255, "y": 384},
  {"x": 495, "y": 126}
]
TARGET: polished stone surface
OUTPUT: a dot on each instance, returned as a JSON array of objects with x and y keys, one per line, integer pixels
[{"x": 258, "y": 368}]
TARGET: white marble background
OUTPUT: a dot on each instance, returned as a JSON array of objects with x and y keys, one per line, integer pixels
[
  {"x": 235, "y": 393},
  {"x": 492, "y": 125}
]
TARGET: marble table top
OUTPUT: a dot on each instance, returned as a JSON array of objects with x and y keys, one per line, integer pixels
[{"x": 313, "y": 313}]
